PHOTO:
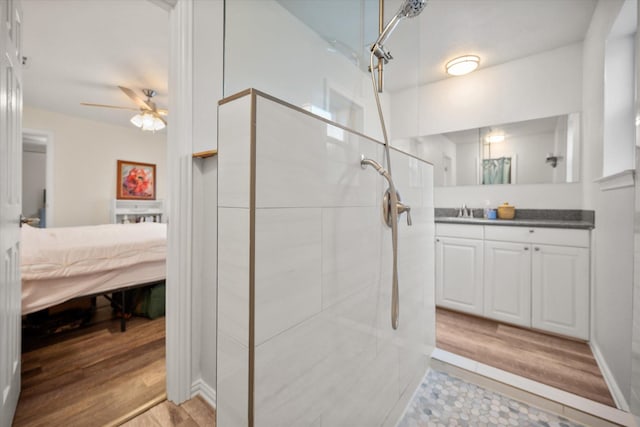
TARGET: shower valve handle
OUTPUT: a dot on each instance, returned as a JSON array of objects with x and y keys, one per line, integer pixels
[{"x": 404, "y": 208}]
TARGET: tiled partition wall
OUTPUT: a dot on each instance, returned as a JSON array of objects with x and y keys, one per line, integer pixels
[{"x": 304, "y": 273}]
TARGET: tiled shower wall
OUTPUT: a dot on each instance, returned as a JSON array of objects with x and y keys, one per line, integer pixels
[{"x": 304, "y": 264}]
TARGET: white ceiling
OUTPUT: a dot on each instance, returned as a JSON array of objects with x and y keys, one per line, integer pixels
[
  {"x": 496, "y": 30},
  {"x": 81, "y": 50}
]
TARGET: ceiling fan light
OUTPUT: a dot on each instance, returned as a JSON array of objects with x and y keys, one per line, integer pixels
[
  {"x": 147, "y": 121},
  {"x": 137, "y": 120},
  {"x": 158, "y": 124},
  {"x": 462, "y": 65}
]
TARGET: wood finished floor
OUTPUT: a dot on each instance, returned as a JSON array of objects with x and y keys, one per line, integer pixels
[
  {"x": 562, "y": 363},
  {"x": 192, "y": 413},
  {"x": 95, "y": 376}
]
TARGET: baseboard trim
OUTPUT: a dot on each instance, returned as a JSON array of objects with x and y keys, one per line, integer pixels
[
  {"x": 204, "y": 390},
  {"x": 616, "y": 393}
]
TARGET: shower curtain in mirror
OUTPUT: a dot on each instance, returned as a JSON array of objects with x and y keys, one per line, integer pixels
[{"x": 496, "y": 171}]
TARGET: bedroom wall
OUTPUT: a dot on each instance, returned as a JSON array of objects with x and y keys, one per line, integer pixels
[{"x": 86, "y": 154}]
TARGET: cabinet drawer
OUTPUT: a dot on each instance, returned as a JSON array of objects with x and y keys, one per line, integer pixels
[
  {"x": 460, "y": 230},
  {"x": 545, "y": 236}
]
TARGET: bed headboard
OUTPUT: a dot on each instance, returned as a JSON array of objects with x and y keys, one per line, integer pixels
[{"x": 123, "y": 211}]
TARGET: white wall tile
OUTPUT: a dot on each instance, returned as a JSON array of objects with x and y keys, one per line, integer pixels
[
  {"x": 304, "y": 167},
  {"x": 350, "y": 251},
  {"x": 234, "y": 142},
  {"x": 306, "y": 370},
  {"x": 233, "y": 273},
  {"x": 232, "y": 382},
  {"x": 325, "y": 350},
  {"x": 288, "y": 268},
  {"x": 410, "y": 176},
  {"x": 368, "y": 401}
]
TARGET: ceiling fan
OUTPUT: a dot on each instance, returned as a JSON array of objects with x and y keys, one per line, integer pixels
[{"x": 149, "y": 117}]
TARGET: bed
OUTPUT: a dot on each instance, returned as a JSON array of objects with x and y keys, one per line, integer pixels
[{"x": 60, "y": 264}]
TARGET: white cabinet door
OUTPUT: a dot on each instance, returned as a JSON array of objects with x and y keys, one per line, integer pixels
[
  {"x": 459, "y": 274},
  {"x": 507, "y": 282},
  {"x": 560, "y": 290}
]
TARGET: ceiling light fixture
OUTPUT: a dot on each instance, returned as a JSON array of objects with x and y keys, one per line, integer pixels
[
  {"x": 494, "y": 138},
  {"x": 462, "y": 65},
  {"x": 147, "y": 121}
]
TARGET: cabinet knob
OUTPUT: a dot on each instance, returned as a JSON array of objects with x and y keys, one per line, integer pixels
[
  {"x": 526, "y": 248},
  {"x": 536, "y": 249},
  {"x": 531, "y": 230},
  {"x": 437, "y": 240}
]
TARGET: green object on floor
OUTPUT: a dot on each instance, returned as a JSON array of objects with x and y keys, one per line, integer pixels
[{"x": 151, "y": 302}]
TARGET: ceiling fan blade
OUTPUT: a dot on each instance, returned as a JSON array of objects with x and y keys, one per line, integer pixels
[
  {"x": 88, "y": 104},
  {"x": 135, "y": 98},
  {"x": 162, "y": 112}
]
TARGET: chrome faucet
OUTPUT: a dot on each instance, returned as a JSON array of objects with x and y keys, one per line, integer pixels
[{"x": 465, "y": 212}]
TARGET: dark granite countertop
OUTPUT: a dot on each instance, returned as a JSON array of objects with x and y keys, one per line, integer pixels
[{"x": 549, "y": 218}]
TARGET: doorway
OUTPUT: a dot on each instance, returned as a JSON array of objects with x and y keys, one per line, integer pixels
[
  {"x": 37, "y": 176},
  {"x": 81, "y": 147}
]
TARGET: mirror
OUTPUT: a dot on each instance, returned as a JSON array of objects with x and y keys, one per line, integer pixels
[{"x": 538, "y": 151}]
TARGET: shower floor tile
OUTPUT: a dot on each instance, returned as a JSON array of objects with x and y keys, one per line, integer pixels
[{"x": 443, "y": 400}]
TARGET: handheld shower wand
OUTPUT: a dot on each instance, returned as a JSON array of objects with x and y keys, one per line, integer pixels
[{"x": 409, "y": 9}]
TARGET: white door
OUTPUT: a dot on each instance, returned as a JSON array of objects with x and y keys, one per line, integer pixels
[
  {"x": 507, "y": 282},
  {"x": 10, "y": 206},
  {"x": 560, "y": 290},
  {"x": 459, "y": 274}
]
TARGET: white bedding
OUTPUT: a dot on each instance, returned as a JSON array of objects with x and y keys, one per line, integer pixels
[
  {"x": 62, "y": 263},
  {"x": 73, "y": 251}
]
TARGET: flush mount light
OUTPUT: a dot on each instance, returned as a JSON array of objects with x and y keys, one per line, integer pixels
[
  {"x": 462, "y": 65},
  {"x": 494, "y": 138}
]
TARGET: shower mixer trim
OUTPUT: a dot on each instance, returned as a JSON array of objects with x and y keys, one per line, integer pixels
[{"x": 386, "y": 200}]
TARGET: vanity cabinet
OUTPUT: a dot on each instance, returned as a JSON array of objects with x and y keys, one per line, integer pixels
[
  {"x": 459, "y": 267},
  {"x": 527, "y": 276},
  {"x": 560, "y": 290},
  {"x": 507, "y": 282}
]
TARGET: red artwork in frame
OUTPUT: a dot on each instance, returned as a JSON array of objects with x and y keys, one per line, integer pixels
[{"x": 136, "y": 181}]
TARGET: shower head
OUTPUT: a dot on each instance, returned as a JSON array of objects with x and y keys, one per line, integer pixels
[
  {"x": 411, "y": 8},
  {"x": 408, "y": 9}
]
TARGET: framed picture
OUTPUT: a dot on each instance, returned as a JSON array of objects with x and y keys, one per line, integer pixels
[{"x": 136, "y": 181}]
